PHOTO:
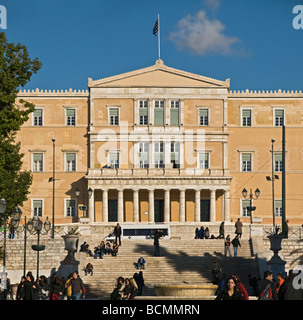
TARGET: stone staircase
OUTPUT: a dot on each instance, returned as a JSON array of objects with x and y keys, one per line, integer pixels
[{"x": 180, "y": 262}]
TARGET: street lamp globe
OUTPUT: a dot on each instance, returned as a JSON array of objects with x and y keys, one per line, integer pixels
[{"x": 3, "y": 205}]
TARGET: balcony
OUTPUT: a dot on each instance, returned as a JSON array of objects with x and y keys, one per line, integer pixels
[{"x": 163, "y": 172}]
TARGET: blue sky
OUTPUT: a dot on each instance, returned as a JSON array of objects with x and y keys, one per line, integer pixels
[{"x": 252, "y": 42}]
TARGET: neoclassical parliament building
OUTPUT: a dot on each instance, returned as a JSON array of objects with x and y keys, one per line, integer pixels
[{"x": 162, "y": 145}]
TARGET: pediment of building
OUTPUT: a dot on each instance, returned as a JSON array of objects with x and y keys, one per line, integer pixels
[{"x": 158, "y": 75}]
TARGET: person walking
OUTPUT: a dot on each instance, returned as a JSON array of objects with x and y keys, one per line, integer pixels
[
  {"x": 230, "y": 292},
  {"x": 117, "y": 233},
  {"x": 221, "y": 230},
  {"x": 227, "y": 246},
  {"x": 157, "y": 235},
  {"x": 241, "y": 287},
  {"x": 238, "y": 226},
  {"x": 77, "y": 285},
  {"x": 236, "y": 243},
  {"x": 267, "y": 288}
]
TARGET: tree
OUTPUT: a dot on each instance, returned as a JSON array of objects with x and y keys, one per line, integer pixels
[{"x": 16, "y": 69}]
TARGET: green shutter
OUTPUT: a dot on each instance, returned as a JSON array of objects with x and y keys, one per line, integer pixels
[
  {"x": 203, "y": 112},
  {"x": 113, "y": 111},
  {"x": 278, "y": 204},
  {"x": 279, "y": 113},
  {"x": 38, "y": 113},
  {"x": 159, "y": 117},
  {"x": 246, "y": 157},
  {"x": 245, "y": 203},
  {"x": 203, "y": 156},
  {"x": 70, "y": 157},
  {"x": 143, "y": 112},
  {"x": 278, "y": 157},
  {"x": 70, "y": 112},
  {"x": 70, "y": 203},
  {"x": 174, "y": 117},
  {"x": 37, "y": 204},
  {"x": 246, "y": 113},
  {"x": 38, "y": 156}
]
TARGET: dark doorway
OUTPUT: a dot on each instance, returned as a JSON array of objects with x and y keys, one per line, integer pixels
[
  {"x": 112, "y": 210},
  {"x": 159, "y": 210},
  {"x": 205, "y": 210}
]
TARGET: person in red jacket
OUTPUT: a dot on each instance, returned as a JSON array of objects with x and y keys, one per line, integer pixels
[{"x": 241, "y": 287}]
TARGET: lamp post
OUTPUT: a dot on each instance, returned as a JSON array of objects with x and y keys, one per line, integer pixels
[
  {"x": 35, "y": 226},
  {"x": 53, "y": 179},
  {"x": 251, "y": 198},
  {"x": 3, "y": 205},
  {"x": 89, "y": 193},
  {"x": 273, "y": 178}
]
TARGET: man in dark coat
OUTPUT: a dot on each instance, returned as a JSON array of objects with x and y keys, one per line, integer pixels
[
  {"x": 117, "y": 233},
  {"x": 287, "y": 290},
  {"x": 267, "y": 289}
]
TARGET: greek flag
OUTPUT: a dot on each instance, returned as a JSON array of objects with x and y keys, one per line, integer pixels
[{"x": 156, "y": 27}]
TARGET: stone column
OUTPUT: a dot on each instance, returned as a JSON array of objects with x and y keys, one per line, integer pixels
[
  {"x": 197, "y": 205},
  {"x": 151, "y": 209},
  {"x": 91, "y": 207},
  {"x": 167, "y": 205},
  {"x": 105, "y": 205},
  {"x": 120, "y": 205},
  {"x": 136, "y": 205},
  {"x": 226, "y": 205},
  {"x": 212, "y": 205},
  {"x": 182, "y": 206}
]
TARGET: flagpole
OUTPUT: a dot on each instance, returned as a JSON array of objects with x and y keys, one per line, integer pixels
[{"x": 159, "y": 36}]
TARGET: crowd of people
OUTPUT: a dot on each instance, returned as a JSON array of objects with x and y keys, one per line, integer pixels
[
  {"x": 54, "y": 288},
  {"x": 128, "y": 288},
  {"x": 268, "y": 288}
]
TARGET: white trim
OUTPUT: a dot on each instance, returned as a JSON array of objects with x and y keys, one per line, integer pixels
[
  {"x": 32, "y": 206},
  {"x": 65, "y": 207}
]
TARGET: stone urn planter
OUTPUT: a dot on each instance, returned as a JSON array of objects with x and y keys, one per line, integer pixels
[
  {"x": 276, "y": 264},
  {"x": 70, "y": 242}
]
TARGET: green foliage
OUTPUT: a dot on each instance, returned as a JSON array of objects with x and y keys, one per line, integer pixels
[{"x": 16, "y": 69}]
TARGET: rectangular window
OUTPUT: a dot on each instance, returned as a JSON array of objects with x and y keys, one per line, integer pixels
[
  {"x": 143, "y": 155},
  {"x": 37, "y": 162},
  {"x": 159, "y": 154},
  {"x": 203, "y": 117},
  {"x": 204, "y": 160},
  {"x": 246, "y": 162},
  {"x": 175, "y": 154},
  {"x": 159, "y": 113},
  {"x": 278, "y": 162},
  {"x": 70, "y": 207},
  {"x": 279, "y": 117},
  {"x": 174, "y": 113},
  {"x": 70, "y": 117},
  {"x": 38, "y": 208},
  {"x": 38, "y": 118},
  {"x": 143, "y": 112},
  {"x": 70, "y": 164},
  {"x": 114, "y": 160},
  {"x": 246, "y": 118},
  {"x": 278, "y": 208},
  {"x": 114, "y": 116},
  {"x": 245, "y": 211}
]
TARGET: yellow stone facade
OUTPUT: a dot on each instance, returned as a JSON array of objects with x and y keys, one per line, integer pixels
[{"x": 161, "y": 145}]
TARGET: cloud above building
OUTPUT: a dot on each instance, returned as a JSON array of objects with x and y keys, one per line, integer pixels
[{"x": 201, "y": 35}]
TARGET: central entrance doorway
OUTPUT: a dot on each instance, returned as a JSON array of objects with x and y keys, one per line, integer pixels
[
  {"x": 159, "y": 210},
  {"x": 205, "y": 210}
]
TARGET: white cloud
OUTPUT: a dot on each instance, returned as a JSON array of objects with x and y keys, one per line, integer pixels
[{"x": 201, "y": 35}]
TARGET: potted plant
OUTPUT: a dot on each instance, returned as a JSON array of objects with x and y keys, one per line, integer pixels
[{"x": 70, "y": 241}]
